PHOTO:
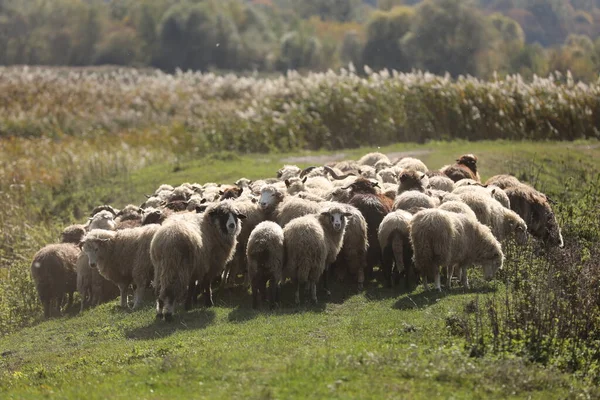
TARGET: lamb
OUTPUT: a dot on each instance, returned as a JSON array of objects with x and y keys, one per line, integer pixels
[
  {"x": 129, "y": 217},
  {"x": 441, "y": 183},
  {"x": 413, "y": 201},
  {"x": 394, "y": 239},
  {"x": 54, "y": 276},
  {"x": 311, "y": 244},
  {"x": 370, "y": 159},
  {"x": 193, "y": 247},
  {"x": 446, "y": 239},
  {"x": 465, "y": 167},
  {"x": 123, "y": 257},
  {"x": 412, "y": 180},
  {"x": 534, "y": 209},
  {"x": 265, "y": 255},
  {"x": 414, "y": 164},
  {"x": 503, "y": 181}
]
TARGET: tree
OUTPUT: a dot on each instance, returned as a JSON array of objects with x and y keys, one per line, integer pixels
[
  {"x": 385, "y": 30},
  {"x": 447, "y": 36}
]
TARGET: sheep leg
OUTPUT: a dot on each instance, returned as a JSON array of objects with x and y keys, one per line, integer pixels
[
  {"x": 274, "y": 292},
  {"x": 263, "y": 289},
  {"x": 138, "y": 297},
  {"x": 437, "y": 280},
  {"x": 123, "y": 291},
  {"x": 208, "y": 301},
  {"x": 387, "y": 264},
  {"x": 255, "y": 292},
  {"x": 425, "y": 284},
  {"x": 464, "y": 278},
  {"x": 360, "y": 278},
  {"x": 313, "y": 291},
  {"x": 168, "y": 309},
  {"x": 449, "y": 274},
  {"x": 159, "y": 308}
]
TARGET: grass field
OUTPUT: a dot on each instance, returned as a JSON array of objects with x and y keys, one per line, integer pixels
[{"x": 380, "y": 343}]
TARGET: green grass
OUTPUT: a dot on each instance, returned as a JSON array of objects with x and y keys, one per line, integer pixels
[{"x": 381, "y": 343}]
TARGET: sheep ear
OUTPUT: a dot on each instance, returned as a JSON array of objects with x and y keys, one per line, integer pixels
[
  {"x": 254, "y": 199},
  {"x": 304, "y": 179},
  {"x": 241, "y": 216},
  {"x": 221, "y": 193},
  {"x": 147, "y": 196},
  {"x": 493, "y": 191},
  {"x": 80, "y": 244},
  {"x": 203, "y": 201},
  {"x": 423, "y": 176},
  {"x": 287, "y": 183},
  {"x": 201, "y": 209},
  {"x": 348, "y": 215},
  {"x": 375, "y": 184}
]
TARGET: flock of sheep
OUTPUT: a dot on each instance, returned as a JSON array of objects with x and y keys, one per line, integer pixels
[{"x": 340, "y": 220}]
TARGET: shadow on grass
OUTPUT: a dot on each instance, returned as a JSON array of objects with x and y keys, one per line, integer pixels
[
  {"x": 158, "y": 328},
  {"x": 410, "y": 301}
]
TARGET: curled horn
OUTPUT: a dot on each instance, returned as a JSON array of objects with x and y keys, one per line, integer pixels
[
  {"x": 335, "y": 176},
  {"x": 306, "y": 171},
  {"x": 103, "y": 208}
]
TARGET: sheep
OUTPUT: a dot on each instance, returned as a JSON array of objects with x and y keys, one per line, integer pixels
[
  {"x": 346, "y": 166},
  {"x": 230, "y": 193},
  {"x": 54, "y": 276},
  {"x": 465, "y": 167},
  {"x": 457, "y": 207},
  {"x": 287, "y": 172},
  {"x": 311, "y": 244},
  {"x": 370, "y": 159},
  {"x": 352, "y": 258},
  {"x": 533, "y": 207},
  {"x": 193, "y": 247},
  {"x": 92, "y": 287},
  {"x": 73, "y": 234},
  {"x": 412, "y": 201},
  {"x": 451, "y": 240},
  {"x": 414, "y": 164},
  {"x": 368, "y": 172},
  {"x": 382, "y": 164},
  {"x": 254, "y": 215},
  {"x": 412, "y": 180},
  {"x": 388, "y": 175},
  {"x": 394, "y": 239},
  {"x": 123, "y": 257},
  {"x": 493, "y": 191},
  {"x": 243, "y": 183},
  {"x": 374, "y": 206},
  {"x": 441, "y": 183},
  {"x": 129, "y": 217},
  {"x": 503, "y": 181},
  {"x": 265, "y": 254},
  {"x": 502, "y": 221}
]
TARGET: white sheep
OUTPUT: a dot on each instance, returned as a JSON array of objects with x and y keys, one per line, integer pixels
[
  {"x": 265, "y": 255},
  {"x": 412, "y": 201},
  {"x": 311, "y": 244},
  {"x": 394, "y": 240},
  {"x": 123, "y": 257},
  {"x": 493, "y": 191},
  {"x": 446, "y": 239},
  {"x": 370, "y": 159},
  {"x": 443, "y": 183},
  {"x": 410, "y": 163},
  {"x": 189, "y": 248}
]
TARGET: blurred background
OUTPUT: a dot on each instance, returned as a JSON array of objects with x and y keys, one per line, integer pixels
[{"x": 475, "y": 37}]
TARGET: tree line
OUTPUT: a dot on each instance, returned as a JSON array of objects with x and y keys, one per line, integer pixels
[{"x": 477, "y": 37}]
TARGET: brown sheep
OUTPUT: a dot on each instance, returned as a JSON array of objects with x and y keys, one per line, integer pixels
[
  {"x": 54, "y": 276},
  {"x": 537, "y": 213},
  {"x": 503, "y": 181},
  {"x": 465, "y": 168},
  {"x": 412, "y": 180}
]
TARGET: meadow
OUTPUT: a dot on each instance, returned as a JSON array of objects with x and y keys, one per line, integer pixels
[{"x": 85, "y": 140}]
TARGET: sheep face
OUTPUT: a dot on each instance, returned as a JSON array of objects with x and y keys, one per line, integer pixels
[
  {"x": 468, "y": 160},
  {"x": 491, "y": 263},
  {"x": 337, "y": 218},
  {"x": 93, "y": 249},
  {"x": 269, "y": 197},
  {"x": 227, "y": 219},
  {"x": 544, "y": 226}
]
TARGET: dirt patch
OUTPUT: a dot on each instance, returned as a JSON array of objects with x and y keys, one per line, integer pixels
[{"x": 322, "y": 159}]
